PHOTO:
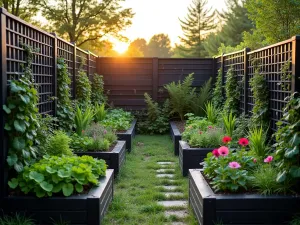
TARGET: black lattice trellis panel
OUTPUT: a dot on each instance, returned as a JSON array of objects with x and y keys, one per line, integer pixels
[
  {"x": 92, "y": 64},
  {"x": 16, "y": 32},
  {"x": 81, "y": 60},
  {"x": 271, "y": 60}
]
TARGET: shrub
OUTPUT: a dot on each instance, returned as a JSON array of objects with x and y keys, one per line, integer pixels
[
  {"x": 98, "y": 96},
  {"x": 232, "y": 88},
  {"x": 55, "y": 175},
  {"x": 83, "y": 89},
  {"x": 218, "y": 99},
  {"x": 202, "y": 98},
  {"x": 212, "y": 138},
  {"x": 65, "y": 111},
  {"x": 182, "y": 96},
  {"x": 83, "y": 118},
  {"x": 58, "y": 144},
  {"x": 100, "y": 112},
  {"x": 118, "y": 119}
]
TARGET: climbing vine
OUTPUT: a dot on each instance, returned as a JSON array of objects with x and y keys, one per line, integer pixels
[
  {"x": 218, "y": 99},
  {"x": 22, "y": 116},
  {"x": 65, "y": 113},
  {"x": 98, "y": 96},
  {"x": 286, "y": 76},
  {"x": 232, "y": 88},
  {"x": 83, "y": 89},
  {"x": 259, "y": 88}
]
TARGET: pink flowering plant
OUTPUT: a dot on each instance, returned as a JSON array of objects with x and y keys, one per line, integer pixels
[{"x": 228, "y": 169}]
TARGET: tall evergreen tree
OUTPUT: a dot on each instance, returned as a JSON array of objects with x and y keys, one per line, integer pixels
[{"x": 196, "y": 25}]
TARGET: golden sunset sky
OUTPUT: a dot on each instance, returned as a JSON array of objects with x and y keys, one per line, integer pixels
[{"x": 158, "y": 16}]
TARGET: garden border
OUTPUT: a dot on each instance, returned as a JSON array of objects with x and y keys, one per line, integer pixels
[
  {"x": 176, "y": 136},
  {"x": 128, "y": 135}
]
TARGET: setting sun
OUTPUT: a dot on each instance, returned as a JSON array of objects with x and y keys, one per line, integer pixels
[{"x": 120, "y": 47}]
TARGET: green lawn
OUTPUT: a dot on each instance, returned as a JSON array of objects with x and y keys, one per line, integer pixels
[{"x": 136, "y": 191}]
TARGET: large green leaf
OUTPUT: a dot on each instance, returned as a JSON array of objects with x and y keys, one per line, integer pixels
[
  {"x": 46, "y": 186},
  {"x": 290, "y": 153},
  {"x": 25, "y": 98},
  {"x": 295, "y": 139},
  {"x": 281, "y": 177},
  {"x": 68, "y": 189},
  {"x": 19, "y": 167},
  {"x": 20, "y": 125},
  {"x": 57, "y": 188},
  {"x": 6, "y": 109},
  {"x": 18, "y": 143},
  {"x": 63, "y": 173},
  {"x": 15, "y": 88},
  {"x": 295, "y": 171},
  {"x": 37, "y": 177},
  {"x": 79, "y": 188},
  {"x": 12, "y": 159},
  {"x": 13, "y": 183}
]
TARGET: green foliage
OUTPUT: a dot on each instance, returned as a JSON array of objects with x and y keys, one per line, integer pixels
[
  {"x": 16, "y": 219},
  {"x": 81, "y": 143},
  {"x": 83, "y": 118},
  {"x": 58, "y": 144},
  {"x": 258, "y": 142},
  {"x": 232, "y": 88},
  {"x": 288, "y": 141},
  {"x": 260, "y": 111},
  {"x": 65, "y": 111},
  {"x": 263, "y": 180},
  {"x": 98, "y": 97},
  {"x": 159, "y": 46},
  {"x": 295, "y": 221},
  {"x": 118, "y": 119},
  {"x": 218, "y": 99},
  {"x": 212, "y": 112},
  {"x": 241, "y": 128},
  {"x": 212, "y": 138},
  {"x": 55, "y": 175},
  {"x": 182, "y": 96},
  {"x": 83, "y": 89},
  {"x": 22, "y": 117},
  {"x": 200, "y": 19},
  {"x": 229, "y": 121},
  {"x": 202, "y": 98},
  {"x": 157, "y": 121},
  {"x": 100, "y": 112}
]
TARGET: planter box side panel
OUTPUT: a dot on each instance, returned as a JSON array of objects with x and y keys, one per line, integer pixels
[
  {"x": 122, "y": 156},
  {"x": 176, "y": 137},
  {"x": 128, "y": 135}
]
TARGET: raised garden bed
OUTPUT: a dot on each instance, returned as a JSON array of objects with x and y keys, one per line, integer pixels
[
  {"x": 246, "y": 209},
  {"x": 190, "y": 158},
  {"x": 114, "y": 159},
  {"x": 84, "y": 209},
  {"x": 176, "y": 136},
  {"x": 128, "y": 135}
]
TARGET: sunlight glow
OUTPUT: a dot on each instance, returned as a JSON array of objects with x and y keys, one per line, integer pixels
[{"x": 120, "y": 47}]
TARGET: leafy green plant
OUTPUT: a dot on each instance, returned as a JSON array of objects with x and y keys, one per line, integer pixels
[
  {"x": 98, "y": 96},
  {"x": 83, "y": 118},
  {"x": 80, "y": 143},
  {"x": 260, "y": 111},
  {"x": 232, "y": 88},
  {"x": 118, "y": 119},
  {"x": 16, "y": 219},
  {"x": 288, "y": 141},
  {"x": 229, "y": 123},
  {"x": 100, "y": 112},
  {"x": 197, "y": 125},
  {"x": 58, "y": 144},
  {"x": 258, "y": 142},
  {"x": 182, "y": 96},
  {"x": 153, "y": 110},
  {"x": 218, "y": 98},
  {"x": 55, "y": 175},
  {"x": 241, "y": 128},
  {"x": 65, "y": 111},
  {"x": 212, "y": 112},
  {"x": 21, "y": 117},
  {"x": 83, "y": 89},
  {"x": 212, "y": 138},
  {"x": 46, "y": 129},
  {"x": 295, "y": 221},
  {"x": 202, "y": 98}
]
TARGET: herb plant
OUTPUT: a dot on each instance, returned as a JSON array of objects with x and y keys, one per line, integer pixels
[
  {"x": 21, "y": 117},
  {"x": 194, "y": 126},
  {"x": 100, "y": 112},
  {"x": 98, "y": 96},
  {"x": 212, "y": 112},
  {"x": 218, "y": 98},
  {"x": 83, "y": 89},
  {"x": 58, "y": 144},
  {"x": 65, "y": 111},
  {"x": 118, "y": 119},
  {"x": 83, "y": 118},
  {"x": 53, "y": 175}
]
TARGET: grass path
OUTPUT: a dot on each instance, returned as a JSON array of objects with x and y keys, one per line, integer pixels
[{"x": 137, "y": 187}]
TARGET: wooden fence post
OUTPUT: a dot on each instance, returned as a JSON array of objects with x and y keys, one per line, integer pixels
[
  {"x": 295, "y": 86},
  {"x": 88, "y": 65},
  {"x": 223, "y": 73},
  {"x": 54, "y": 83},
  {"x": 3, "y": 139},
  {"x": 154, "y": 78},
  {"x": 246, "y": 79},
  {"x": 74, "y": 71}
]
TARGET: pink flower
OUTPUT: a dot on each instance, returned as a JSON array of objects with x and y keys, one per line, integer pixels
[
  {"x": 105, "y": 131},
  {"x": 234, "y": 165},
  {"x": 223, "y": 151},
  {"x": 226, "y": 139},
  {"x": 210, "y": 127},
  {"x": 255, "y": 160},
  {"x": 200, "y": 132},
  {"x": 215, "y": 153},
  {"x": 243, "y": 142},
  {"x": 268, "y": 159}
]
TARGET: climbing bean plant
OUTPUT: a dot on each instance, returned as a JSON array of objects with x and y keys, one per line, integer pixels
[
  {"x": 218, "y": 99},
  {"x": 98, "y": 90},
  {"x": 65, "y": 112},
  {"x": 21, "y": 116}
]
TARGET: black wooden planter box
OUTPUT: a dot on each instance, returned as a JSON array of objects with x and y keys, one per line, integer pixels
[
  {"x": 190, "y": 158},
  {"x": 85, "y": 209},
  {"x": 176, "y": 137},
  {"x": 128, "y": 136},
  {"x": 246, "y": 209},
  {"x": 114, "y": 159}
]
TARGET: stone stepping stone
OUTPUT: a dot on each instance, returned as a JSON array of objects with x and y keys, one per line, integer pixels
[
  {"x": 169, "y": 188},
  {"x": 178, "y": 223},
  {"x": 165, "y": 163},
  {"x": 173, "y": 203},
  {"x": 171, "y": 194},
  {"x": 165, "y": 175},
  {"x": 165, "y": 170},
  {"x": 178, "y": 213}
]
